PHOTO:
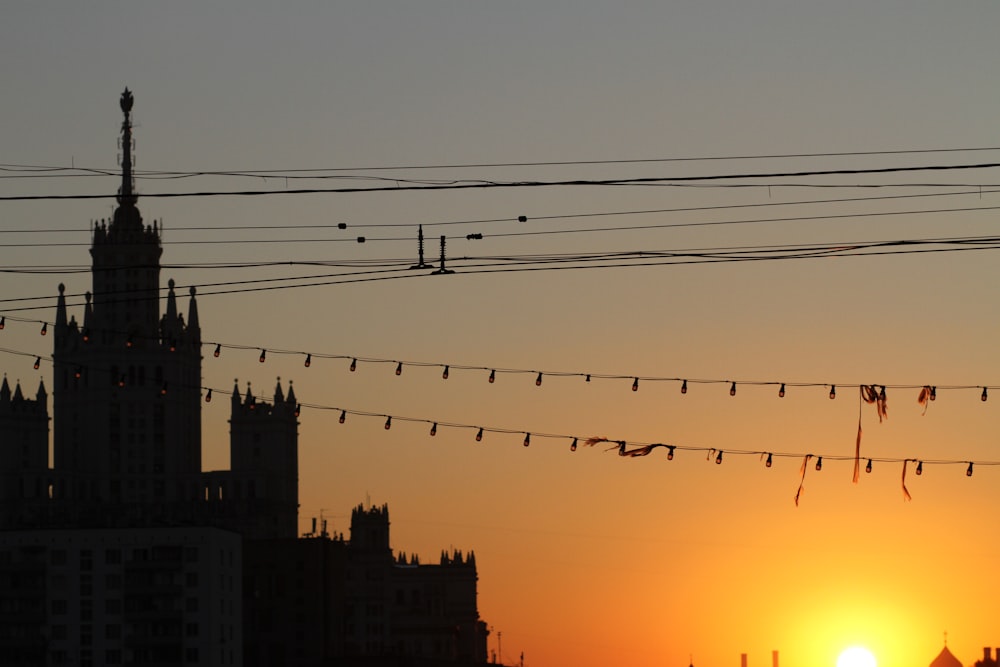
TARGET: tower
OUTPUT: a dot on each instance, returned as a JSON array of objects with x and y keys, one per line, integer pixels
[
  {"x": 264, "y": 481},
  {"x": 127, "y": 383},
  {"x": 24, "y": 453}
]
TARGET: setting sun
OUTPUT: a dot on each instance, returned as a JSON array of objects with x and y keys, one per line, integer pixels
[{"x": 856, "y": 656}]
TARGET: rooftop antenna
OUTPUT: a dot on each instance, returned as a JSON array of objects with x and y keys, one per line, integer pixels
[{"x": 126, "y": 193}]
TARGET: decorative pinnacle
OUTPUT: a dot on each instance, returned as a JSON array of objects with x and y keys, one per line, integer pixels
[{"x": 126, "y": 193}]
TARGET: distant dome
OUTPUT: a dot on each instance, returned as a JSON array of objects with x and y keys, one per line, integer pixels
[{"x": 946, "y": 659}]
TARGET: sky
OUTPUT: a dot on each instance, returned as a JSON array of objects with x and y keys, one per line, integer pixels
[{"x": 584, "y": 557}]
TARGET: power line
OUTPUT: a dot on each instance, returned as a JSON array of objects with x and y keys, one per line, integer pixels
[{"x": 402, "y": 185}]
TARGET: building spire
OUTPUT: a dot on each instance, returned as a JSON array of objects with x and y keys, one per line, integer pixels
[{"x": 126, "y": 193}]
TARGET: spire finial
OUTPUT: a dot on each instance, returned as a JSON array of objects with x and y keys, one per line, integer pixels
[{"x": 126, "y": 194}]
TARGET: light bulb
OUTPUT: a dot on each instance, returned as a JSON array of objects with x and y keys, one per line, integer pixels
[
  {"x": 173, "y": 346},
  {"x": 572, "y": 447},
  {"x": 78, "y": 372},
  {"x": 253, "y": 402},
  {"x": 86, "y": 335},
  {"x": 298, "y": 409},
  {"x": 208, "y": 396},
  {"x": 38, "y": 362},
  {"x": 718, "y": 458},
  {"x": 129, "y": 342},
  {"x": 819, "y": 463},
  {"x": 479, "y": 435},
  {"x": 684, "y": 387},
  {"x": 493, "y": 376},
  {"x": 920, "y": 467},
  {"x": 163, "y": 389},
  {"x": 933, "y": 393},
  {"x": 434, "y": 428},
  {"x": 968, "y": 471},
  {"x": 309, "y": 361},
  {"x": 263, "y": 355},
  {"x": 670, "y": 452},
  {"x": 538, "y": 381},
  {"x": 588, "y": 377},
  {"x": 868, "y": 468},
  {"x": 833, "y": 391},
  {"x": 769, "y": 460},
  {"x": 527, "y": 439},
  {"x": 444, "y": 374},
  {"x": 218, "y": 351},
  {"x": 732, "y": 389},
  {"x": 781, "y": 392},
  {"x": 388, "y": 423},
  {"x": 635, "y": 385},
  {"x": 983, "y": 397},
  {"x": 343, "y": 416},
  {"x": 399, "y": 368},
  {"x": 45, "y": 328},
  {"x": 3, "y": 323},
  {"x": 121, "y": 381},
  {"x": 354, "y": 365}
]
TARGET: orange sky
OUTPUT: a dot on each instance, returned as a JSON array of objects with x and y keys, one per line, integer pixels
[{"x": 584, "y": 557}]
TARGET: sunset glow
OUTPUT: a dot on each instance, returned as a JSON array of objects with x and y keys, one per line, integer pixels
[{"x": 856, "y": 656}]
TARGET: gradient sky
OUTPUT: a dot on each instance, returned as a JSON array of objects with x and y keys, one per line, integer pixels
[{"x": 584, "y": 558}]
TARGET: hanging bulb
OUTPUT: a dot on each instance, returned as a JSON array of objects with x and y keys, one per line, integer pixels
[
  {"x": 173, "y": 346},
  {"x": 819, "y": 463},
  {"x": 968, "y": 471},
  {"x": 732, "y": 389},
  {"x": 78, "y": 372},
  {"x": 253, "y": 402},
  {"x": 218, "y": 351},
  {"x": 38, "y": 362},
  {"x": 3, "y": 323},
  {"x": 434, "y": 428},
  {"x": 684, "y": 387},
  {"x": 588, "y": 377},
  {"x": 86, "y": 335},
  {"x": 983, "y": 397},
  {"x": 298, "y": 409},
  {"x": 769, "y": 460},
  {"x": 263, "y": 355},
  {"x": 354, "y": 365},
  {"x": 208, "y": 396},
  {"x": 343, "y": 416},
  {"x": 718, "y": 458},
  {"x": 538, "y": 381},
  {"x": 309, "y": 361},
  {"x": 933, "y": 393},
  {"x": 388, "y": 423},
  {"x": 781, "y": 392},
  {"x": 670, "y": 452},
  {"x": 163, "y": 389},
  {"x": 129, "y": 342},
  {"x": 479, "y": 435},
  {"x": 399, "y": 368},
  {"x": 493, "y": 376},
  {"x": 920, "y": 467},
  {"x": 833, "y": 391},
  {"x": 444, "y": 375},
  {"x": 868, "y": 468},
  {"x": 572, "y": 447},
  {"x": 527, "y": 439},
  {"x": 121, "y": 381},
  {"x": 45, "y": 328},
  {"x": 635, "y": 385}
]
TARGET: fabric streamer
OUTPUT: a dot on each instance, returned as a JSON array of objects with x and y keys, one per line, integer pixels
[
  {"x": 802, "y": 480},
  {"x": 906, "y": 494}
]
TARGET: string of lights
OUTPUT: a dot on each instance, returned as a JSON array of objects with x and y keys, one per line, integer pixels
[
  {"x": 927, "y": 392},
  {"x": 625, "y": 448}
]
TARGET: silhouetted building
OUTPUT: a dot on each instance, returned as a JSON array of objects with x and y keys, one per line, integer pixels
[
  {"x": 946, "y": 659},
  {"x": 988, "y": 659},
  {"x": 125, "y": 552}
]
